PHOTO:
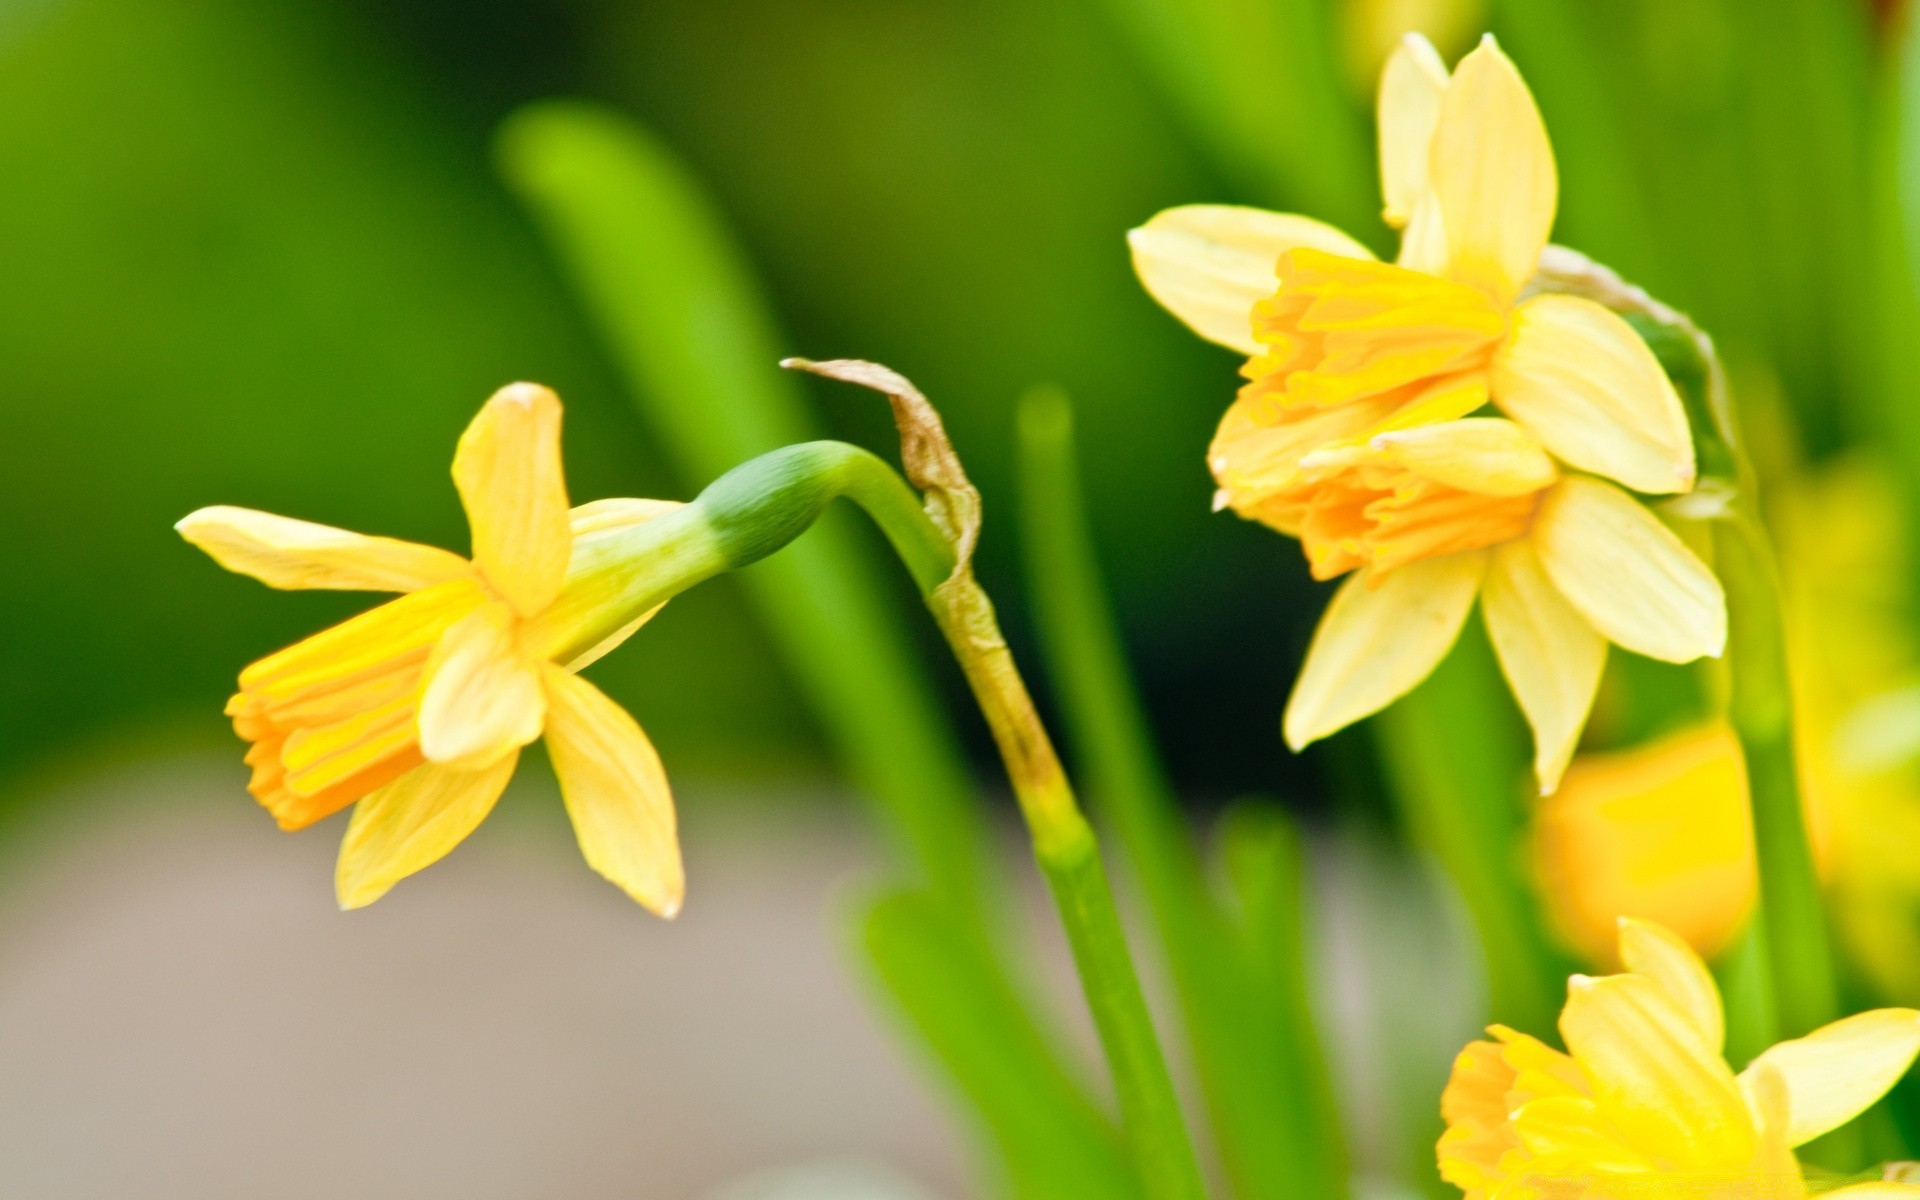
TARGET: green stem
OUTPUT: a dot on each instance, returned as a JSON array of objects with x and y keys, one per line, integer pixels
[
  {"x": 1162, "y": 1150},
  {"x": 1260, "y": 1084},
  {"x": 1790, "y": 915},
  {"x": 1069, "y": 857},
  {"x": 761, "y": 506},
  {"x": 1453, "y": 767}
]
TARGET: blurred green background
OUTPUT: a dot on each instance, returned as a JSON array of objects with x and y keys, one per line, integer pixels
[
  {"x": 261, "y": 254},
  {"x": 258, "y": 255}
]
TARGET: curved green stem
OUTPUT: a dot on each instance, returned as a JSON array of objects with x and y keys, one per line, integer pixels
[{"x": 761, "y": 506}]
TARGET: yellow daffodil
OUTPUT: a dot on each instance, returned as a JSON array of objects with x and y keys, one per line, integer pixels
[
  {"x": 1354, "y": 430},
  {"x": 1643, "y": 1102},
  {"x": 417, "y": 710}
]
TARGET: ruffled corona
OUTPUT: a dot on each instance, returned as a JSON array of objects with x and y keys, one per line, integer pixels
[
  {"x": 417, "y": 710},
  {"x": 1643, "y": 1102}
]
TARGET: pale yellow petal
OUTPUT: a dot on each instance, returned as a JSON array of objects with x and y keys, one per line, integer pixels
[
  {"x": 1484, "y": 455},
  {"x": 1552, "y": 657},
  {"x": 1656, "y": 953},
  {"x": 412, "y": 823},
  {"x": 283, "y": 552},
  {"x": 615, "y": 513},
  {"x": 1423, "y": 243},
  {"x": 1493, "y": 174},
  {"x": 1583, "y": 381},
  {"x": 1771, "y": 1106},
  {"x": 1379, "y": 638},
  {"x": 1628, "y": 574},
  {"x": 1209, "y": 263},
  {"x": 1411, "y": 87},
  {"x": 1573, "y": 1127},
  {"x": 1837, "y": 1072},
  {"x": 616, "y": 792},
  {"x": 1653, "y": 1081},
  {"x": 1875, "y": 1190},
  {"x": 482, "y": 698},
  {"x": 510, "y": 478}
]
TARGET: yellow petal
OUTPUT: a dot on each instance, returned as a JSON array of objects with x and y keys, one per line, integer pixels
[
  {"x": 412, "y": 823},
  {"x": 1837, "y": 1072},
  {"x": 1874, "y": 1190},
  {"x": 1423, "y": 243},
  {"x": 616, "y": 792},
  {"x": 1379, "y": 638},
  {"x": 1573, "y": 1127},
  {"x": 1652, "y": 1079},
  {"x": 1628, "y": 574},
  {"x": 1768, "y": 1100},
  {"x": 1493, "y": 174},
  {"x": 482, "y": 699},
  {"x": 1551, "y": 656},
  {"x": 1484, "y": 455},
  {"x": 1256, "y": 452},
  {"x": 1411, "y": 87},
  {"x": 1209, "y": 263},
  {"x": 510, "y": 479},
  {"x": 1581, "y": 379},
  {"x": 282, "y": 552},
  {"x": 1656, "y": 953}
]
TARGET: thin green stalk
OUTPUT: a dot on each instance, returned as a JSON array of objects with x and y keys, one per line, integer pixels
[
  {"x": 686, "y": 325},
  {"x": 761, "y": 507},
  {"x": 1258, "y": 1092},
  {"x": 1454, "y": 767},
  {"x": 1063, "y": 843},
  {"x": 1791, "y": 917},
  {"x": 1789, "y": 914}
]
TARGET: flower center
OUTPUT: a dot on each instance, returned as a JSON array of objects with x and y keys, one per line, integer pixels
[
  {"x": 1385, "y": 518},
  {"x": 332, "y": 718},
  {"x": 1342, "y": 329}
]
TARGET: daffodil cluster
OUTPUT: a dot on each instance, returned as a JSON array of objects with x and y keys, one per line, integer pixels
[
  {"x": 1437, "y": 433},
  {"x": 416, "y": 711}
]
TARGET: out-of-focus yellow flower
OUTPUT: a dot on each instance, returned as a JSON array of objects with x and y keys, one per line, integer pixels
[
  {"x": 1353, "y": 431},
  {"x": 1644, "y": 1097},
  {"x": 1663, "y": 832},
  {"x": 418, "y": 709},
  {"x": 1660, "y": 832}
]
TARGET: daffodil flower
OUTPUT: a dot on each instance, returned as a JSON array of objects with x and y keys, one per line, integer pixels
[
  {"x": 1354, "y": 431},
  {"x": 417, "y": 710},
  {"x": 1437, "y": 516},
  {"x": 1644, "y": 1095}
]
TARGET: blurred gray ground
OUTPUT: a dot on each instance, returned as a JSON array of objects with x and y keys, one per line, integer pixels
[{"x": 184, "y": 1013}]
